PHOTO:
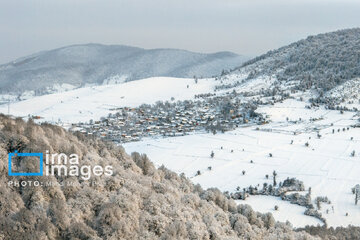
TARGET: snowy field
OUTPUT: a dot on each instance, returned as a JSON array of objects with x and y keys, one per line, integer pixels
[
  {"x": 326, "y": 165},
  {"x": 83, "y": 104}
]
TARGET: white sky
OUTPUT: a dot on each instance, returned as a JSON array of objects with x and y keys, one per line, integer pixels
[{"x": 248, "y": 27}]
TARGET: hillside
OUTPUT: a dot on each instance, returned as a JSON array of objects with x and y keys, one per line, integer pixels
[
  {"x": 136, "y": 202},
  {"x": 81, "y": 105},
  {"x": 78, "y": 65},
  {"x": 322, "y": 62}
]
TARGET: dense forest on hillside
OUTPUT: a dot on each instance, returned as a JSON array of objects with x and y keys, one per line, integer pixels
[
  {"x": 350, "y": 232},
  {"x": 323, "y": 61},
  {"x": 137, "y": 202}
]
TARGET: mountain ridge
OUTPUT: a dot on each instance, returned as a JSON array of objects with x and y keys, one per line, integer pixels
[{"x": 92, "y": 63}]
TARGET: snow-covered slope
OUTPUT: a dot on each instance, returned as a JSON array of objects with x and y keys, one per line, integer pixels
[
  {"x": 321, "y": 62},
  {"x": 83, "y": 104},
  {"x": 79, "y": 65},
  {"x": 348, "y": 92}
]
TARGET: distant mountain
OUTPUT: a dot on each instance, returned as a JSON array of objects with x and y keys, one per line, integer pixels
[
  {"x": 78, "y": 65},
  {"x": 321, "y": 62}
]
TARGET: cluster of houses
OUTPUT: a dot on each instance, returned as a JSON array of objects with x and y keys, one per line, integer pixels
[{"x": 171, "y": 119}]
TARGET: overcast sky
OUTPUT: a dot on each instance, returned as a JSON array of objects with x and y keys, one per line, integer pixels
[{"x": 247, "y": 27}]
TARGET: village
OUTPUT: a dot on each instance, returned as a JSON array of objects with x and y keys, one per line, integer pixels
[{"x": 169, "y": 119}]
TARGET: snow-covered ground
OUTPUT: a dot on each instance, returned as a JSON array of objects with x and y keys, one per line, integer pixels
[
  {"x": 83, "y": 104},
  {"x": 326, "y": 165},
  {"x": 286, "y": 211}
]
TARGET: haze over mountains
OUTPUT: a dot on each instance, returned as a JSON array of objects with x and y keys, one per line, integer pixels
[{"x": 77, "y": 65}]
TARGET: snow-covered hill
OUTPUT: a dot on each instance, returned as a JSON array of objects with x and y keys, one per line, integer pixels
[
  {"x": 321, "y": 62},
  {"x": 97, "y": 64},
  {"x": 136, "y": 202},
  {"x": 83, "y": 104}
]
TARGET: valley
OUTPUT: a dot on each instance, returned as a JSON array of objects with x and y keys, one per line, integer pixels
[
  {"x": 236, "y": 132},
  {"x": 325, "y": 165}
]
